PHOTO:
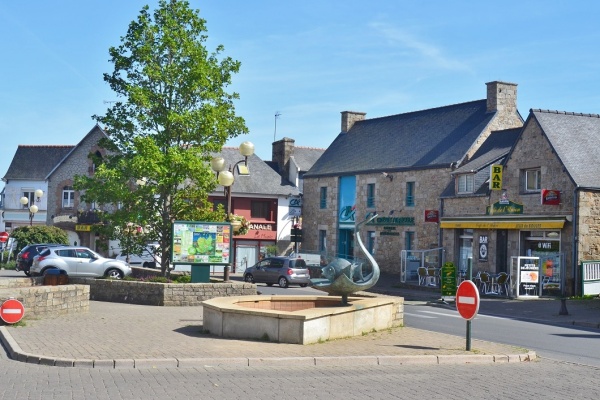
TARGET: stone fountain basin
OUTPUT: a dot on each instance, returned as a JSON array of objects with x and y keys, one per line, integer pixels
[{"x": 299, "y": 319}]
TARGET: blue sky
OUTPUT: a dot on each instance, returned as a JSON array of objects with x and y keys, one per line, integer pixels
[{"x": 308, "y": 60}]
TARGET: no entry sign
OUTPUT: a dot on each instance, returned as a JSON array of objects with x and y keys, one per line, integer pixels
[
  {"x": 3, "y": 237},
  {"x": 11, "y": 311},
  {"x": 467, "y": 300}
]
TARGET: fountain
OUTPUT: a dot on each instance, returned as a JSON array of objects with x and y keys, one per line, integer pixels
[{"x": 309, "y": 319}]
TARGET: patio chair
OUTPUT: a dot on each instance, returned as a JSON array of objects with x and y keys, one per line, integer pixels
[
  {"x": 501, "y": 283},
  {"x": 486, "y": 282},
  {"x": 422, "y": 272},
  {"x": 434, "y": 275}
]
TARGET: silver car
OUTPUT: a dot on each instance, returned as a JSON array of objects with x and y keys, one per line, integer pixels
[
  {"x": 78, "y": 261},
  {"x": 282, "y": 270}
]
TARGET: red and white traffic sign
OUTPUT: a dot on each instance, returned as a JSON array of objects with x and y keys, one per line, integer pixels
[
  {"x": 11, "y": 311},
  {"x": 467, "y": 300},
  {"x": 3, "y": 236}
]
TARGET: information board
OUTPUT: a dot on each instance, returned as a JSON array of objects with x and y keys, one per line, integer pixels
[
  {"x": 528, "y": 276},
  {"x": 201, "y": 243}
]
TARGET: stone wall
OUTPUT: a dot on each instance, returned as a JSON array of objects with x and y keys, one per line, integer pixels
[
  {"x": 39, "y": 300},
  {"x": 162, "y": 294}
]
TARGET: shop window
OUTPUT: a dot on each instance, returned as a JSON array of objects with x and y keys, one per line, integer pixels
[
  {"x": 465, "y": 183},
  {"x": 465, "y": 248},
  {"x": 533, "y": 180},
  {"x": 323, "y": 197},
  {"x": 410, "y": 194},
  {"x": 371, "y": 242},
  {"x": 322, "y": 239},
  {"x": 409, "y": 238},
  {"x": 371, "y": 195}
]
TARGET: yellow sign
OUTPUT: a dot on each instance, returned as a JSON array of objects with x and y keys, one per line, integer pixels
[
  {"x": 558, "y": 224},
  {"x": 83, "y": 228},
  {"x": 496, "y": 177}
]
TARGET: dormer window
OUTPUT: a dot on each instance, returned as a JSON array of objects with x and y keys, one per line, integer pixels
[{"x": 465, "y": 183}]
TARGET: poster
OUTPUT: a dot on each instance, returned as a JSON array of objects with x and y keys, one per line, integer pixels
[
  {"x": 529, "y": 276},
  {"x": 201, "y": 243}
]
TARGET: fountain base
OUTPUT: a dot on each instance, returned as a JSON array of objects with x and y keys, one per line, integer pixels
[{"x": 300, "y": 319}]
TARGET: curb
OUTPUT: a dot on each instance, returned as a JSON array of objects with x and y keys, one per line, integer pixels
[{"x": 16, "y": 353}]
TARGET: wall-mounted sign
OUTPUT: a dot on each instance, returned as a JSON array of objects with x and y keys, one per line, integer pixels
[
  {"x": 295, "y": 201},
  {"x": 392, "y": 221},
  {"x": 295, "y": 211},
  {"x": 500, "y": 207},
  {"x": 550, "y": 197},
  {"x": 483, "y": 248},
  {"x": 496, "y": 177},
  {"x": 432, "y": 216},
  {"x": 201, "y": 243},
  {"x": 83, "y": 228}
]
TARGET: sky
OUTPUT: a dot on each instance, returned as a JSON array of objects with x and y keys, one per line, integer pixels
[{"x": 306, "y": 61}]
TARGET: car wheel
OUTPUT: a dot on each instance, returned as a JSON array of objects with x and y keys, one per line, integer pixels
[
  {"x": 27, "y": 273},
  {"x": 249, "y": 278},
  {"x": 283, "y": 282},
  {"x": 45, "y": 272},
  {"x": 303, "y": 284},
  {"x": 114, "y": 273}
]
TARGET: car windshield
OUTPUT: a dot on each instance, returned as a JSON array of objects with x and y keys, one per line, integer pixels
[{"x": 297, "y": 264}]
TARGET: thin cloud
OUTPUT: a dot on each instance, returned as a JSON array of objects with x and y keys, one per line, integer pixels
[{"x": 430, "y": 53}]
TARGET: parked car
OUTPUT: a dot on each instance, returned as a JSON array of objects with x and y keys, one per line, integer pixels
[
  {"x": 78, "y": 261},
  {"x": 25, "y": 256},
  {"x": 282, "y": 270},
  {"x": 149, "y": 258}
]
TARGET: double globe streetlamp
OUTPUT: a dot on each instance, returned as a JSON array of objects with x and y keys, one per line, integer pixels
[
  {"x": 226, "y": 178},
  {"x": 33, "y": 209}
]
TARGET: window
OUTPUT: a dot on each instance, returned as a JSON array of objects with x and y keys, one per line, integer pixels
[
  {"x": 465, "y": 183},
  {"x": 68, "y": 197},
  {"x": 409, "y": 238},
  {"x": 371, "y": 242},
  {"x": 31, "y": 197},
  {"x": 323, "y": 197},
  {"x": 216, "y": 203},
  {"x": 533, "y": 180},
  {"x": 371, "y": 195},
  {"x": 260, "y": 210},
  {"x": 322, "y": 240},
  {"x": 410, "y": 194}
]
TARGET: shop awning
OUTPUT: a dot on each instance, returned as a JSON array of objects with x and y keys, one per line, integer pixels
[{"x": 526, "y": 222}]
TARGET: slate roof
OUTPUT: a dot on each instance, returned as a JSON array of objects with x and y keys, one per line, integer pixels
[
  {"x": 34, "y": 162},
  {"x": 575, "y": 138},
  {"x": 430, "y": 138},
  {"x": 263, "y": 180},
  {"x": 306, "y": 157},
  {"x": 493, "y": 151}
]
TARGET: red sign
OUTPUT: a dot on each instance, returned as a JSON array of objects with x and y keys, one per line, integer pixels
[
  {"x": 11, "y": 311},
  {"x": 432, "y": 216},
  {"x": 3, "y": 237},
  {"x": 550, "y": 197},
  {"x": 467, "y": 300}
]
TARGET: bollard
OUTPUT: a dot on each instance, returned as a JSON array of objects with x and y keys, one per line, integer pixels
[
  {"x": 226, "y": 273},
  {"x": 563, "y": 307}
]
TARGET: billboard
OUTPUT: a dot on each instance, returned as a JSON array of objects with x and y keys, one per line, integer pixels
[{"x": 201, "y": 243}]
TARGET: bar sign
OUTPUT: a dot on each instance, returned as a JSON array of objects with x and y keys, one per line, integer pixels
[{"x": 496, "y": 177}]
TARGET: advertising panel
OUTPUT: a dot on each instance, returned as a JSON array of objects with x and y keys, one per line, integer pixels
[
  {"x": 201, "y": 243},
  {"x": 529, "y": 276}
]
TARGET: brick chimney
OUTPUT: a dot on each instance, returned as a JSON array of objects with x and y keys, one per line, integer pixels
[
  {"x": 349, "y": 118},
  {"x": 282, "y": 151},
  {"x": 502, "y": 97}
]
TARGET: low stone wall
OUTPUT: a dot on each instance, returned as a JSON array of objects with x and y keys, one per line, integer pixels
[
  {"x": 39, "y": 300},
  {"x": 162, "y": 294}
]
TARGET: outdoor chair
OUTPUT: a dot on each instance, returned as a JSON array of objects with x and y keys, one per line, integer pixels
[
  {"x": 486, "y": 282},
  {"x": 422, "y": 271},
  {"x": 500, "y": 284}
]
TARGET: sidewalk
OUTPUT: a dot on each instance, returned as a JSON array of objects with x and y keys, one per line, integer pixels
[{"x": 114, "y": 335}]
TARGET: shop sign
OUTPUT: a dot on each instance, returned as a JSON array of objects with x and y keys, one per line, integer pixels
[
  {"x": 83, "y": 228},
  {"x": 496, "y": 177},
  {"x": 503, "y": 207},
  {"x": 260, "y": 227},
  {"x": 526, "y": 225},
  {"x": 529, "y": 276},
  {"x": 483, "y": 248},
  {"x": 550, "y": 197},
  {"x": 397, "y": 221},
  {"x": 295, "y": 201},
  {"x": 432, "y": 216}
]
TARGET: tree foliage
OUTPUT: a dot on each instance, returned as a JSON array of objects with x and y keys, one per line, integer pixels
[
  {"x": 25, "y": 235},
  {"x": 174, "y": 112}
]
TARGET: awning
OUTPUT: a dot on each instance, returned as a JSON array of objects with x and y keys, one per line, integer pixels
[{"x": 526, "y": 222}]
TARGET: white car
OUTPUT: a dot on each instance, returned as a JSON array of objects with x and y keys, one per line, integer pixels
[
  {"x": 150, "y": 257},
  {"x": 78, "y": 262}
]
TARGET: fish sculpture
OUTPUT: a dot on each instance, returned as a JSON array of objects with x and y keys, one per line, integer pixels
[{"x": 343, "y": 277}]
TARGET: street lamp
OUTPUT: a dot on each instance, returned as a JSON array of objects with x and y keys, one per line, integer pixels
[
  {"x": 33, "y": 209},
  {"x": 226, "y": 178}
]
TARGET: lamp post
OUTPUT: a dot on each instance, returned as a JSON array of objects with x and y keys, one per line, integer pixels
[
  {"x": 226, "y": 178},
  {"x": 33, "y": 209}
]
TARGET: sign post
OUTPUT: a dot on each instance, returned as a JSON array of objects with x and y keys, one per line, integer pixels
[
  {"x": 467, "y": 304},
  {"x": 12, "y": 311}
]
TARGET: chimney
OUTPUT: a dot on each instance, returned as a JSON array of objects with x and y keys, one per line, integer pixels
[
  {"x": 281, "y": 153},
  {"x": 349, "y": 118},
  {"x": 502, "y": 97}
]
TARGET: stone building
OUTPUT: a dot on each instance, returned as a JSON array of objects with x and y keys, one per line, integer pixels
[
  {"x": 539, "y": 219},
  {"x": 396, "y": 166}
]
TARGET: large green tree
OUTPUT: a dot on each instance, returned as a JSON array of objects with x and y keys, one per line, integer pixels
[{"x": 173, "y": 113}]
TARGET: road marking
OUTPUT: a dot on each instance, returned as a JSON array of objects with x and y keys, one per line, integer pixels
[{"x": 419, "y": 315}]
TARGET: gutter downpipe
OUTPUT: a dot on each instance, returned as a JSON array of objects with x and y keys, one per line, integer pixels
[{"x": 575, "y": 242}]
